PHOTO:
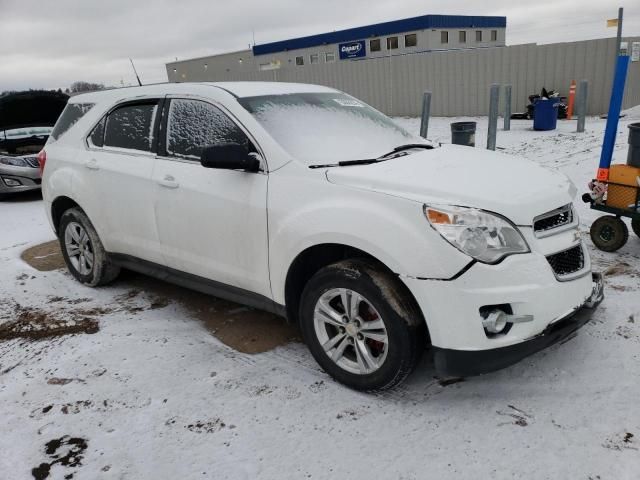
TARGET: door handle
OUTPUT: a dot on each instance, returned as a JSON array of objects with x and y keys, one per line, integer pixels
[
  {"x": 92, "y": 164},
  {"x": 169, "y": 182}
]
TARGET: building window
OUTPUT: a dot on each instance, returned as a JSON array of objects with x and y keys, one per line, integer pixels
[
  {"x": 462, "y": 36},
  {"x": 494, "y": 35},
  {"x": 329, "y": 57},
  {"x": 374, "y": 45},
  {"x": 478, "y": 35},
  {"x": 410, "y": 40},
  {"x": 314, "y": 58},
  {"x": 444, "y": 37},
  {"x": 299, "y": 60},
  {"x": 392, "y": 43}
]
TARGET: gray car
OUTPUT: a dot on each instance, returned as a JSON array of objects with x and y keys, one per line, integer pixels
[{"x": 26, "y": 121}]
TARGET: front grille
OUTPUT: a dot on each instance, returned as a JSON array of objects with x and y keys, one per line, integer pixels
[
  {"x": 567, "y": 262},
  {"x": 554, "y": 219}
]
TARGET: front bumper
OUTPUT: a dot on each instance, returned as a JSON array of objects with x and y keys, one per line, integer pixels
[
  {"x": 462, "y": 363},
  {"x": 24, "y": 179}
]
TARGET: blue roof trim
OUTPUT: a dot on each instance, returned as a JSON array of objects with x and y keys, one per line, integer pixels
[{"x": 387, "y": 28}]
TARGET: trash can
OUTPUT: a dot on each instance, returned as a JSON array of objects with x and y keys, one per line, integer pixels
[
  {"x": 463, "y": 133},
  {"x": 545, "y": 113},
  {"x": 633, "y": 157}
]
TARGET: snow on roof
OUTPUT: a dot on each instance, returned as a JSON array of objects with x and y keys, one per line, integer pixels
[{"x": 238, "y": 89}]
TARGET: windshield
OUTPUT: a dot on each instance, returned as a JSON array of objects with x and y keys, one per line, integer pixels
[{"x": 320, "y": 128}]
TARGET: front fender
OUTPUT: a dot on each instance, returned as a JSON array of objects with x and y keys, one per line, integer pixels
[{"x": 391, "y": 229}]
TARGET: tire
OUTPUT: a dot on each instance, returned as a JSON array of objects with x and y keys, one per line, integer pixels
[
  {"x": 83, "y": 251},
  {"x": 635, "y": 225},
  {"x": 609, "y": 233},
  {"x": 384, "y": 310}
]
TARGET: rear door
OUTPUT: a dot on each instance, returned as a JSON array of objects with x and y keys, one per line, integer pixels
[
  {"x": 120, "y": 164},
  {"x": 212, "y": 223}
]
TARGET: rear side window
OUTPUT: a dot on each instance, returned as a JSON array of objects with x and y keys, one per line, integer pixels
[
  {"x": 96, "y": 137},
  {"x": 131, "y": 127},
  {"x": 193, "y": 125},
  {"x": 69, "y": 117}
]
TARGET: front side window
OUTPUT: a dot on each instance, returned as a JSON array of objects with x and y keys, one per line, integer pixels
[
  {"x": 69, "y": 117},
  {"x": 374, "y": 45},
  {"x": 131, "y": 127},
  {"x": 193, "y": 125},
  {"x": 314, "y": 58},
  {"x": 411, "y": 40},
  {"x": 392, "y": 43},
  {"x": 444, "y": 37},
  {"x": 320, "y": 128}
]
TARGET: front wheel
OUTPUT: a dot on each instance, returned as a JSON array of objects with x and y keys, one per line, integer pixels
[
  {"x": 609, "y": 233},
  {"x": 361, "y": 326},
  {"x": 83, "y": 252}
]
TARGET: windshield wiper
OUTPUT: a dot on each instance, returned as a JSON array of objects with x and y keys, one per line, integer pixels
[
  {"x": 346, "y": 163},
  {"x": 408, "y": 146}
]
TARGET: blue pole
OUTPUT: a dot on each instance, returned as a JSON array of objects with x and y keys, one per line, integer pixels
[{"x": 615, "y": 105}]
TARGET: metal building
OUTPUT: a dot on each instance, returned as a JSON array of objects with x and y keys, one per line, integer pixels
[{"x": 426, "y": 33}]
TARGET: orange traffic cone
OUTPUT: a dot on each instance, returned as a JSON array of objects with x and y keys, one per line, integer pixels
[{"x": 572, "y": 96}]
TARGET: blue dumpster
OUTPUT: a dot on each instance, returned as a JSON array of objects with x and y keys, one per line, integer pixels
[{"x": 545, "y": 113}]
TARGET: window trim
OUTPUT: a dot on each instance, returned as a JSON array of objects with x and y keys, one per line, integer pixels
[{"x": 162, "y": 131}]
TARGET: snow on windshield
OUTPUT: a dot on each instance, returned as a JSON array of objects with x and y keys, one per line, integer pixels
[{"x": 320, "y": 128}]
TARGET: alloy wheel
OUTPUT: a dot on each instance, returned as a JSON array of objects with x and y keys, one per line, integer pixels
[{"x": 79, "y": 249}]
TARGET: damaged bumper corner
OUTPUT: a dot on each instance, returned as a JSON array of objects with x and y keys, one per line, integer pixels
[{"x": 463, "y": 363}]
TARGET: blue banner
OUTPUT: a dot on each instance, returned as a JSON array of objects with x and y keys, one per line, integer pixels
[{"x": 352, "y": 50}]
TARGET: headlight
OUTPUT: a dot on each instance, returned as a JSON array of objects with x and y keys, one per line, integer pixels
[
  {"x": 14, "y": 161},
  {"x": 484, "y": 236}
]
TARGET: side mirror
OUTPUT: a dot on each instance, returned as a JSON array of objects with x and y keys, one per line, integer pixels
[{"x": 229, "y": 156}]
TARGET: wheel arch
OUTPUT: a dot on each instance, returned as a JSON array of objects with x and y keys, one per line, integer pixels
[
  {"x": 309, "y": 261},
  {"x": 60, "y": 205}
]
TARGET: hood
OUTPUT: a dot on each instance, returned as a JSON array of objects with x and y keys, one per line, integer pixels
[
  {"x": 454, "y": 175},
  {"x": 31, "y": 109}
]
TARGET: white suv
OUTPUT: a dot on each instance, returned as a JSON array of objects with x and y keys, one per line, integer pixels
[{"x": 304, "y": 201}]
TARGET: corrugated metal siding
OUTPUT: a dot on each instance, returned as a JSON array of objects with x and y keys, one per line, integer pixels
[
  {"x": 459, "y": 79},
  {"x": 387, "y": 28}
]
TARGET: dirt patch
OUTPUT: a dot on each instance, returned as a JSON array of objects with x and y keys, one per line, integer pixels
[
  {"x": 66, "y": 451},
  {"x": 35, "y": 323},
  {"x": 44, "y": 257},
  {"x": 244, "y": 329}
]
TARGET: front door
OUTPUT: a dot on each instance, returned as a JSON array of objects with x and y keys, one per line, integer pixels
[{"x": 211, "y": 222}]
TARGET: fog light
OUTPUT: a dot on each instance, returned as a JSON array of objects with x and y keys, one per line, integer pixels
[{"x": 11, "y": 182}]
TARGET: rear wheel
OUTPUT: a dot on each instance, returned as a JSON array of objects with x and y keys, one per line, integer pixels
[
  {"x": 609, "y": 233},
  {"x": 360, "y": 325},
  {"x": 82, "y": 250},
  {"x": 635, "y": 225}
]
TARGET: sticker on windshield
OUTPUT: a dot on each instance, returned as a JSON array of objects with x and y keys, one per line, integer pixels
[{"x": 346, "y": 102}]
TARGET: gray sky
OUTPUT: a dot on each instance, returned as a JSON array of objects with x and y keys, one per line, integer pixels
[{"x": 51, "y": 43}]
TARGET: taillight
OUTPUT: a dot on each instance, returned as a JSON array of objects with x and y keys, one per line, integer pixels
[{"x": 42, "y": 159}]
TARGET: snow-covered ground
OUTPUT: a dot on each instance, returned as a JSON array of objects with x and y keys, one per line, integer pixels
[{"x": 154, "y": 395}]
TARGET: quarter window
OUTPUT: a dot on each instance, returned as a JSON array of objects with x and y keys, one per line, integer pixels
[
  {"x": 193, "y": 125},
  {"x": 444, "y": 37},
  {"x": 131, "y": 127},
  {"x": 374, "y": 45},
  {"x": 410, "y": 40},
  {"x": 392, "y": 43},
  {"x": 68, "y": 118}
]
